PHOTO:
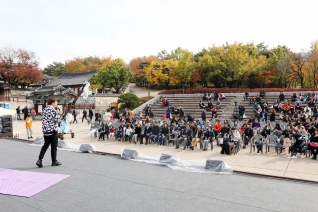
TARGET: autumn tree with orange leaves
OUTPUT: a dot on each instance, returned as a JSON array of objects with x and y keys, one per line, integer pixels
[
  {"x": 19, "y": 66},
  {"x": 86, "y": 64}
]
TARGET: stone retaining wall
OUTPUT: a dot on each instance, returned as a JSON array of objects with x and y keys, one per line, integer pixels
[{"x": 20, "y": 92}]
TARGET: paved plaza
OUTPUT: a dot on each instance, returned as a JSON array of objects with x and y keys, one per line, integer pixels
[{"x": 267, "y": 164}]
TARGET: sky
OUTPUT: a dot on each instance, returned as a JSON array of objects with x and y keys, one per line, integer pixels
[{"x": 59, "y": 30}]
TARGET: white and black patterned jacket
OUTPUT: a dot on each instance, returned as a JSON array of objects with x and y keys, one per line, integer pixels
[{"x": 50, "y": 120}]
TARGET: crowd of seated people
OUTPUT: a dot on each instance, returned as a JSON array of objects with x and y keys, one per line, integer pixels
[
  {"x": 189, "y": 131},
  {"x": 300, "y": 113},
  {"x": 299, "y": 116}
]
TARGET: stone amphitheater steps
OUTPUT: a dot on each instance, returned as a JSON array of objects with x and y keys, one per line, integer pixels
[
  {"x": 190, "y": 104},
  {"x": 270, "y": 98}
]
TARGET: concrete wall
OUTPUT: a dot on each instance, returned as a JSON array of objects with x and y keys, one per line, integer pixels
[
  {"x": 14, "y": 105},
  {"x": 102, "y": 101}
]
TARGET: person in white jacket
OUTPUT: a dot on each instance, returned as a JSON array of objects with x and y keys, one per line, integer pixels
[
  {"x": 307, "y": 111},
  {"x": 107, "y": 115},
  {"x": 236, "y": 135}
]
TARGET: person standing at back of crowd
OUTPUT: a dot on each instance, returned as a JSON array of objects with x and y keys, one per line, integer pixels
[
  {"x": 25, "y": 111},
  {"x": 98, "y": 116},
  {"x": 51, "y": 116},
  {"x": 33, "y": 114},
  {"x": 28, "y": 126},
  {"x": 90, "y": 114},
  {"x": 18, "y": 112},
  {"x": 74, "y": 116},
  {"x": 84, "y": 115},
  {"x": 241, "y": 110}
]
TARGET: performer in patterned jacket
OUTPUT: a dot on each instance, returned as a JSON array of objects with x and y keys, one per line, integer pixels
[{"x": 51, "y": 116}]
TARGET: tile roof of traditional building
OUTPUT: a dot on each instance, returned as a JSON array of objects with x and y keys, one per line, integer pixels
[
  {"x": 69, "y": 79},
  {"x": 58, "y": 90}
]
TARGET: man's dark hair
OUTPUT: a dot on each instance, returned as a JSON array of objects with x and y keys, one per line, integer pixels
[{"x": 51, "y": 100}]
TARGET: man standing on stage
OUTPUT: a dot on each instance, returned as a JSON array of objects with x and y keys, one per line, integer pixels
[{"x": 51, "y": 116}]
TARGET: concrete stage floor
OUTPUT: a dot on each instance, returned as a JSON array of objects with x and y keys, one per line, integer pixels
[{"x": 109, "y": 183}]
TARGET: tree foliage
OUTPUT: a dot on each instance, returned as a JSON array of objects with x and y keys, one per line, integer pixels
[
  {"x": 19, "y": 66},
  {"x": 114, "y": 76},
  {"x": 86, "y": 64},
  {"x": 54, "y": 69},
  {"x": 129, "y": 99},
  {"x": 230, "y": 65}
]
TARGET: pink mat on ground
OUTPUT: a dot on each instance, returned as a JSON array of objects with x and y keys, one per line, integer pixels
[{"x": 26, "y": 184}]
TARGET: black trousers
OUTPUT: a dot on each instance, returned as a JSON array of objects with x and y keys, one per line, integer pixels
[
  {"x": 75, "y": 120},
  {"x": 314, "y": 151},
  {"x": 84, "y": 117},
  {"x": 246, "y": 140},
  {"x": 102, "y": 135},
  {"x": 144, "y": 136},
  {"x": 49, "y": 140},
  {"x": 225, "y": 148}
]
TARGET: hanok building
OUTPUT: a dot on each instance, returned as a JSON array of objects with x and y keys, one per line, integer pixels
[
  {"x": 4, "y": 89},
  {"x": 46, "y": 80},
  {"x": 65, "y": 88},
  {"x": 63, "y": 96}
]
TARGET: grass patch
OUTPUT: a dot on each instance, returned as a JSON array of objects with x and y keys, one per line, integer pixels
[{"x": 144, "y": 99}]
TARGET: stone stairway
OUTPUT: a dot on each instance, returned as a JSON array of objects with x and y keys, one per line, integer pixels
[{"x": 228, "y": 112}]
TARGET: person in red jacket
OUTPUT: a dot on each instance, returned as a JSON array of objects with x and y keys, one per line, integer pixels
[
  {"x": 217, "y": 127},
  {"x": 163, "y": 102},
  {"x": 285, "y": 107}
]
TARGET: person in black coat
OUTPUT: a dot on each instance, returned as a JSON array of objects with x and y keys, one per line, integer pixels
[
  {"x": 314, "y": 150},
  {"x": 281, "y": 97},
  {"x": 203, "y": 115},
  {"x": 138, "y": 132},
  {"x": 98, "y": 116},
  {"x": 201, "y": 105},
  {"x": 104, "y": 130},
  {"x": 18, "y": 113},
  {"x": 241, "y": 109},
  {"x": 155, "y": 132},
  {"x": 147, "y": 133},
  {"x": 181, "y": 112},
  {"x": 226, "y": 137},
  {"x": 216, "y": 96},
  {"x": 74, "y": 113},
  {"x": 84, "y": 115},
  {"x": 248, "y": 134},
  {"x": 25, "y": 112},
  {"x": 299, "y": 144},
  {"x": 185, "y": 137},
  {"x": 272, "y": 116},
  {"x": 204, "y": 97},
  {"x": 208, "y": 137},
  {"x": 90, "y": 114},
  {"x": 210, "y": 105},
  {"x": 163, "y": 134}
]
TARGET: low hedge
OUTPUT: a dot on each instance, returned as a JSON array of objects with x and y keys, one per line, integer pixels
[{"x": 235, "y": 90}]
